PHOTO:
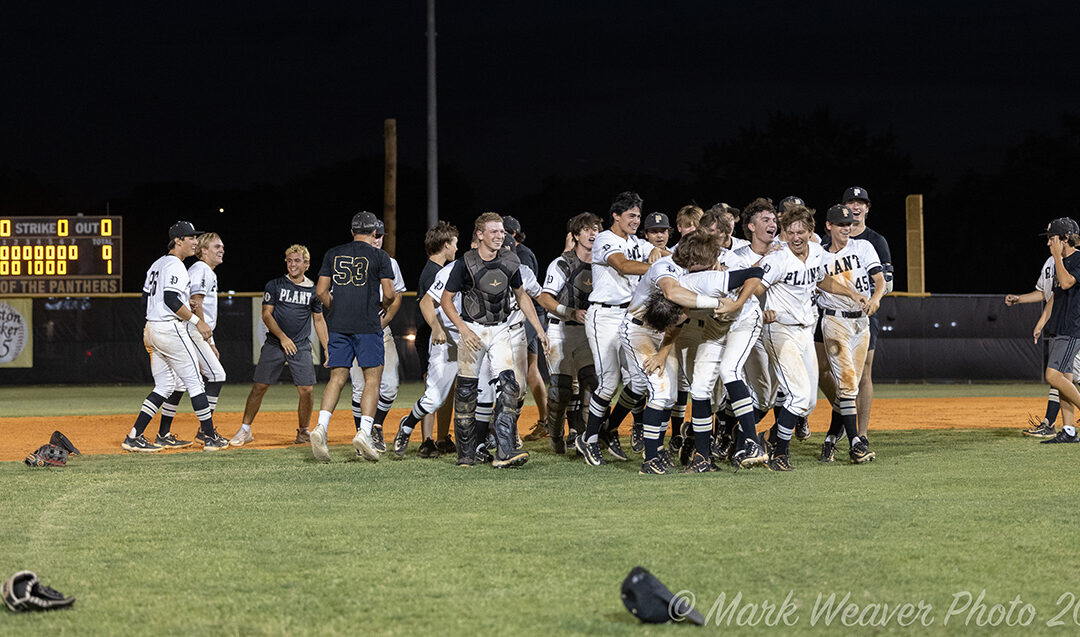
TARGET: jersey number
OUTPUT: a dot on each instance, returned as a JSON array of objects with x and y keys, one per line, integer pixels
[
  {"x": 350, "y": 270},
  {"x": 153, "y": 282}
]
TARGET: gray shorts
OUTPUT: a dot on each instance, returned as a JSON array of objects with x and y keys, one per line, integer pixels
[
  {"x": 1063, "y": 353},
  {"x": 272, "y": 359}
]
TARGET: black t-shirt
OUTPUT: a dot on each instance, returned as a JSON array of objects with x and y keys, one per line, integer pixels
[
  {"x": 1065, "y": 315},
  {"x": 293, "y": 305},
  {"x": 355, "y": 270},
  {"x": 427, "y": 277}
]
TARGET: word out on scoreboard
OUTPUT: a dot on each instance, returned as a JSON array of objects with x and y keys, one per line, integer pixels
[{"x": 60, "y": 255}]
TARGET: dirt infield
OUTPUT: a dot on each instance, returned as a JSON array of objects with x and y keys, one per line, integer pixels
[{"x": 103, "y": 434}]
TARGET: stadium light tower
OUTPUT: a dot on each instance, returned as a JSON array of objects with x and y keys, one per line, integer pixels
[{"x": 432, "y": 124}]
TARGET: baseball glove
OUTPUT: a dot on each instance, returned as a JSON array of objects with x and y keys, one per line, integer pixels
[
  {"x": 23, "y": 591},
  {"x": 60, "y": 440},
  {"x": 47, "y": 456}
]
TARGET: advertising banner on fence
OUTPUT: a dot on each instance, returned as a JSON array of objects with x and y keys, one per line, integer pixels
[{"x": 16, "y": 333}]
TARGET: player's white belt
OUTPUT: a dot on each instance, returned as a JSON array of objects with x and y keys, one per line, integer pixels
[
  {"x": 841, "y": 313},
  {"x": 621, "y": 306}
]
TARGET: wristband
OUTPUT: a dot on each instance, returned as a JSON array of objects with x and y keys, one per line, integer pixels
[
  {"x": 562, "y": 310},
  {"x": 194, "y": 320},
  {"x": 706, "y": 302}
]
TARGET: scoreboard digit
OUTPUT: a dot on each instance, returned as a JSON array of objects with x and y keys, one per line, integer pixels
[{"x": 62, "y": 255}]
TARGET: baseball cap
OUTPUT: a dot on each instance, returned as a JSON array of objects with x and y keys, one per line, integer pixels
[
  {"x": 364, "y": 223},
  {"x": 656, "y": 220},
  {"x": 1061, "y": 226},
  {"x": 790, "y": 202},
  {"x": 511, "y": 225},
  {"x": 856, "y": 192},
  {"x": 839, "y": 214},
  {"x": 380, "y": 229},
  {"x": 650, "y": 601},
  {"x": 182, "y": 229}
]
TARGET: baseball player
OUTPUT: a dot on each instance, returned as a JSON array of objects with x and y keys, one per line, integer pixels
[
  {"x": 790, "y": 278},
  {"x": 731, "y": 214},
  {"x": 567, "y": 286},
  {"x": 487, "y": 277},
  {"x": 210, "y": 252},
  {"x": 388, "y": 387},
  {"x": 358, "y": 272},
  {"x": 289, "y": 309},
  {"x": 619, "y": 258},
  {"x": 534, "y": 378},
  {"x": 657, "y": 229},
  {"x": 687, "y": 220},
  {"x": 173, "y": 354},
  {"x": 1064, "y": 320},
  {"x": 857, "y": 200},
  {"x": 1044, "y": 290},
  {"x": 440, "y": 243},
  {"x": 845, "y": 327}
]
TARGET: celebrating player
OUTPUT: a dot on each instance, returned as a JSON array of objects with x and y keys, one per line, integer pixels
[
  {"x": 289, "y": 308},
  {"x": 166, "y": 292},
  {"x": 1064, "y": 321},
  {"x": 440, "y": 243},
  {"x": 358, "y": 271}
]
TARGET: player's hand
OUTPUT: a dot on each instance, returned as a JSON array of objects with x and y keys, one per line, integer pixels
[
  {"x": 438, "y": 335},
  {"x": 656, "y": 255},
  {"x": 578, "y": 316},
  {"x": 1011, "y": 299},
  {"x": 768, "y": 316},
  {"x": 1037, "y": 332},
  {"x": 288, "y": 346},
  {"x": 861, "y": 300},
  {"x": 727, "y": 306},
  {"x": 568, "y": 243},
  {"x": 470, "y": 340},
  {"x": 871, "y": 307},
  {"x": 1057, "y": 246},
  {"x": 205, "y": 331},
  {"x": 775, "y": 247},
  {"x": 542, "y": 337},
  {"x": 654, "y": 363}
]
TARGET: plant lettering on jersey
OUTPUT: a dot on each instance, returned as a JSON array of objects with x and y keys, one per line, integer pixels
[
  {"x": 349, "y": 270},
  {"x": 802, "y": 277}
]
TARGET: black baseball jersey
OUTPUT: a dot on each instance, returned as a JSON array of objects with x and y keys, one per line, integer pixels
[
  {"x": 427, "y": 277},
  {"x": 486, "y": 287},
  {"x": 1065, "y": 315},
  {"x": 293, "y": 305},
  {"x": 356, "y": 270}
]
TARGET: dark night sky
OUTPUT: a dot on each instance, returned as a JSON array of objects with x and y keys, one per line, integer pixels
[{"x": 102, "y": 98}]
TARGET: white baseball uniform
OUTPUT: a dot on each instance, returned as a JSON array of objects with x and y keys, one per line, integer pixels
[
  {"x": 759, "y": 377},
  {"x": 204, "y": 281},
  {"x": 388, "y": 387},
  {"x": 845, "y": 330},
  {"x": 173, "y": 354},
  {"x": 639, "y": 341}
]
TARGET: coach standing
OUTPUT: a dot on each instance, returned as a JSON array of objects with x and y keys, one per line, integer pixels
[
  {"x": 357, "y": 270},
  {"x": 857, "y": 200}
]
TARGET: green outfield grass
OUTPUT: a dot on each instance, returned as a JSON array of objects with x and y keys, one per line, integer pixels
[
  {"x": 269, "y": 542},
  {"x": 74, "y": 400}
]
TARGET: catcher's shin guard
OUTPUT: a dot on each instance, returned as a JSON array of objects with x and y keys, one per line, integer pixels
[
  {"x": 464, "y": 416},
  {"x": 559, "y": 394},
  {"x": 504, "y": 416}
]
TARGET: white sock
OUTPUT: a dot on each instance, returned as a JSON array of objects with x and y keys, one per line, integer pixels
[
  {"x": 1069, "y": 429},
  {"x": 854, "y": 441},
  {"x": 244, "y": 427},
  {"x": 366, "y": 423},
  {"x": 831, "y": 439},
  {"x": 133, "y": 433},
  {"x": 324, "y": 419}
]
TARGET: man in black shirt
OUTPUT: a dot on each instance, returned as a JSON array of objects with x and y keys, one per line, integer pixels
[
  {"x": 857, "y": 200},
  {"x": 440, "y": 243},
  {"x": 288, "y": 309},
  {"x": 357, "y": 270},
  {"x": 537, "y": 370},
  {"x": 1064, "y": 323},
  {"x": 486, "y": 277}
]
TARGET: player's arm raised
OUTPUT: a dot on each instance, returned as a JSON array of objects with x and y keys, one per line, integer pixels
[
  {"x": 287, "y": 343},
  {"x": 619, "y": 261},
  {"x": 1065, "y": 278},
  {"x": 658, "y": 253},
  {"x": 1029, "y": 297}
]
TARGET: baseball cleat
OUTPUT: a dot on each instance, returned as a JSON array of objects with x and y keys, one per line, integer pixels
[
  {"x": 516, "y": 459},
  {"x": 614, "y": 446},
  {"x": 828, "y": 452},
  {"x": 1061, "y": 437},
  {"x": 170, "y": 441},
  {"x": 686, "y": 451},
  {"x": 653, "y": 467},
  {"x": 401, "y": 440},
  {"x": 1040, "y": 429},
  {"x": 698, "y": 464},
  {"x": 665, "y": 457},
  {"x": 446, "y": 445},
  {"x": 558, "y": 445},
  {"x": 751, "y": 455},
  {"x": 241, "y": 438},
  {"x": 428, "y": 449},
  {"x": 539, "y": 432},
  {"x": 780, "y": 463},
  {"x": 802, "y": 429},
  {"x": 860, "y": 453},
  {"x": 216, "y": 442},
  {"x": 589, "y": 451},
  {"x": 302, "y": 437},
  {"x": 483, "y": 456},
  {"x": 723, "y": 447},
  {"x": 139, "y": 444},
  {"x": 365, "y": 446},
  {"x": 377, "y": 438},
  {"x": 318, "y": 445},
  {"x": 637, "y": 437}
]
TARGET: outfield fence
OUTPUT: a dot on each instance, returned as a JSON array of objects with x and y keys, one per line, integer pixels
[{"x": 98, "y": 339}]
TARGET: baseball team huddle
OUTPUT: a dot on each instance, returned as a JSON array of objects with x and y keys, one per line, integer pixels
[{"x": 620, "y": 325}]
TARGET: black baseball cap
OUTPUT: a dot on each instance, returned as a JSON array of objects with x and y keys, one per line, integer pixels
[
  {"x": 856, "y": 192},
  {"x": 651, "y": 602},
  {"x": 182, "y": 229},
  {"x": 1061, "y": 226},
  {"x": 655, "y": 220},
  {"x": 839, "y": 214},
  {"x": 790, "y": 202},
  {"x": 364, "y": 223},
  {"x": 380, "y": 229},
  {"x": 511, "y": 225}
]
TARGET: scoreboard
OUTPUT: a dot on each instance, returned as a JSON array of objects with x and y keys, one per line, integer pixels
[{"x": 60, "y": 255}]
